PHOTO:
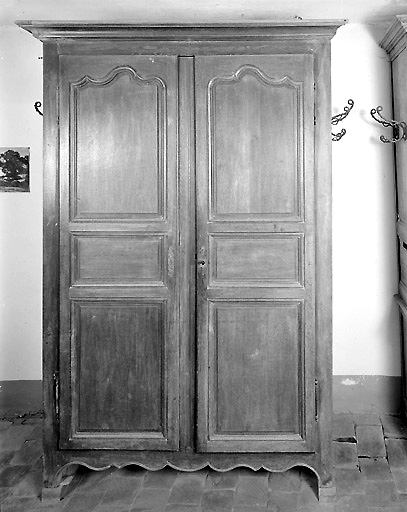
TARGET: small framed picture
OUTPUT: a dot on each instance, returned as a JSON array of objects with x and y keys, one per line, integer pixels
[{"x": 14, "y": 169}]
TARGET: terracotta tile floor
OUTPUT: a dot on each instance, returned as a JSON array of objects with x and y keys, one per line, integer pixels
[{"x": 370, "y": 459}]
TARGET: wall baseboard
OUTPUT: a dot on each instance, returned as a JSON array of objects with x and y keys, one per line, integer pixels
[
  {"x": 367, "y": 393},
  {"x": 351, "y": 393},
  {"x": 20, "y": 396}
]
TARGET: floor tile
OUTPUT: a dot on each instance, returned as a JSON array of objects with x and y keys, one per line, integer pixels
[
  {"x": 81, "y": 502},
  {"x": 18, "y": 504},
  {"x": 344, "y": 427},
  {"x": 309, "y": 480},
  {"x": 241, "y": 471},
  {"x": 119, "y": 493},
  {"x": 384, "y": 509},
  {"x": 58, "y": 507},
  {"x": 283, "y": 502},
  {"x": 370, "y": 441},
  {"x": 12, "y": 475},
  {"x": 163, "y": 479},
  {"x": 5, "y": 493},
  {"x": 381, "y": 494},
  {"x": 397, "y": 453},
  {"x": 288, "y": 481},
  {"x": 101, "y": 481},
  {"x": 30, "y": 485},
  {"x": 55, "y": 505},
  {"x": 400, "y": 479},
  {"x": 4, "y": 424},
  {"x": 5, "y": 458},
  {"x": 91, "y": 482},
  {"x": 131, "y": 473},
  {"x": 353, "y": 503},
  {"x": 345, "y": 455},
  {"x": 366, "y": 419},
  {"x": 252, "y": 491},
  {"x": 375, "y": 469},
  {"x": 307, "y": 496},
  {"x": 29, "y": 453},
  {"x": 13, "y": 438},
  {"x": 150, "y": 499},
  {"x": 36, "y": 432},
  {"x": 217, "y": 500},
  {"x": 108, "y": 507},
  {"x": 319, "y": 507},
  {"x": 216, "y": 480},
  {"x": 188, "y": 488},
  {"x": 379, "y": 486},
  {"x": 348, "y": 481},
  {"x": 249, "y": 508},
  {"x": 393, "y": 426},
  {"x": 174, "y": 507}
]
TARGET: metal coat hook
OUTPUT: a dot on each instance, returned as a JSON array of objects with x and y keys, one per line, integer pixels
[
  {"x": 338, "y": 136},
  {"x": 399, "y": 127},
  {"x": 37, "y": 106},
  {"x": 340, "y": 117}
]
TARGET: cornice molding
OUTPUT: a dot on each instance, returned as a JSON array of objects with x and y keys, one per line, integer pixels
[
  {"x": 395, "y": 40},
  {"x": 91, "y": 30}
]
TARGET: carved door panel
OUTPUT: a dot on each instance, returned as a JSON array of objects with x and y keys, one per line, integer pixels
[
  {"x": 118, "y": 219},
  {"x": 255, "y": 310}
]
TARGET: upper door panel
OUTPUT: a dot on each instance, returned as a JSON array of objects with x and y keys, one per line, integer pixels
[
  {"x": 119, "y": 124},
  {"x": 256, "y": 134}
]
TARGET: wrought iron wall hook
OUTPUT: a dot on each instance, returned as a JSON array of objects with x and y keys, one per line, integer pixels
[
  {"x": 399, "y": 127},
  {"x": 37, "y": 106},
  {"x": 340, "y": 117},
  {"x": 338, "y": 136}
]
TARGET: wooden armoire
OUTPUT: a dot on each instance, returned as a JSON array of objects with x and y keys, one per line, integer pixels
[
  {"x": 395, "y": 43},
  {"x": 187, "y": 246}
]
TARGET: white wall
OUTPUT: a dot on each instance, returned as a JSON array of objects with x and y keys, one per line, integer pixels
[
  {"x": 366, "y": 329},
  {"x": 366, "y": 339},
  {"x": 20, "y": 213}
]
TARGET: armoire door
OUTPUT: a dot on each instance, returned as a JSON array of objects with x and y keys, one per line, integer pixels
[
  {"x": 119, "y": 363},
  {"x": 255, "y": 253}
]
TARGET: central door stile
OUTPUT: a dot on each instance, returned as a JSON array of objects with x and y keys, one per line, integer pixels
[{"x": 187, "y": 275}]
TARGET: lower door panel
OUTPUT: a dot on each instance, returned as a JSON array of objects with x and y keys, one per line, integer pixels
[
  {"x": 123, "y": 379},
  {"x": 256, "y": 381}
]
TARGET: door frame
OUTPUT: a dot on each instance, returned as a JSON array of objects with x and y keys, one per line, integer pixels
[{"x": 299, "y": 225}]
